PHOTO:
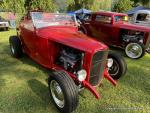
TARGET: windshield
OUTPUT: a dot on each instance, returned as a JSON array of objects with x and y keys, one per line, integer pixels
[
  {"x": 41, "y": 19},
  {"x": 143, "y": 17},
  {"x": 121, "y": 18}
]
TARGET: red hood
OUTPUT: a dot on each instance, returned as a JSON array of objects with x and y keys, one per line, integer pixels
[
  {"x": 71, "y": 37},
  {"x": 132, "y": 27}
]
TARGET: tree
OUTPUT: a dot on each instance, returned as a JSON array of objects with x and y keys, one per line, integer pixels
[
  {"x": 16, "y": 6},
  {"x": 142, "y": 2},
  {"x": 123, "y": 6},
  {"x": 94, "y": 5}
]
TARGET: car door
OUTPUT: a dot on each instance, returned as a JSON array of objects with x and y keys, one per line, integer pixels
[
  {"x": 29, "y": 37},
  {"x": 102, "y": 28},
  {"x": 86, "y": 24}
]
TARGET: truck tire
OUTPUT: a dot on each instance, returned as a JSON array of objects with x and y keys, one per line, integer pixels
[
  {"x": 63, "y": 91},
  {"x": 15, "y": 46},
  {"x": 118, "y": 67},
  {"x": 135, "y": 50}
]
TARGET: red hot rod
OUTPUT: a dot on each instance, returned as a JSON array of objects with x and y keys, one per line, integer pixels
[
  {"x": 77, "y": 61},
  {"x": 113, "y": 29}
]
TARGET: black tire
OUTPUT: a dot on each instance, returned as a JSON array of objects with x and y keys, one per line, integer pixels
[
  {"x": 15, "y": 46},
  {"x": 141, "y": 50},
  {"x": 68, "y": 88},
  {"x": 119, "y": 66}
]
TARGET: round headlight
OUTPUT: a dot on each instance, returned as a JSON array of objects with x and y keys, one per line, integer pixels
[
  {"x": 81, "y": 75},
  {"x": 110, "y": 62}
]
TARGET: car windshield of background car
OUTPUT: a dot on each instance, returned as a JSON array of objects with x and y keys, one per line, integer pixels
[{"x": 102, "y": 18}]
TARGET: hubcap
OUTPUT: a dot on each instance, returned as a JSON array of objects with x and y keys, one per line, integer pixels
[
  {"x": 57, "y": 93},
  {"x": 12, "y": 49},
  {"x": 133, "y": 50},
  {"x": 113, "y": 69}
]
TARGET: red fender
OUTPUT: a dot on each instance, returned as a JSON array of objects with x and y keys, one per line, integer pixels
[{"x": 109, "y": 78}]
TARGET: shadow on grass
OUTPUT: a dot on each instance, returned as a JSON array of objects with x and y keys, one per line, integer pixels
[{"x": 40, "y": 89}]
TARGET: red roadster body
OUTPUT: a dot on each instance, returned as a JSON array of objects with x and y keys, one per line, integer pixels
[{"x": 53, "y": 41}]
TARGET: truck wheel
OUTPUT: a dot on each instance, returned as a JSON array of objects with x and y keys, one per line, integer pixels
[
  {"x": 63, "y": 91},
  {"x": 116, "y": 64},
  {"x": 15, "y": 46},
  {"x": 135, "y": 50}
]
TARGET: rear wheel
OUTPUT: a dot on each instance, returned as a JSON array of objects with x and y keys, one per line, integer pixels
[
  {"x": 63, "y": 92},
  {"x": 117, "y": 66},
  {"x": 135, "y": 50},
  {"x": 15, "y": 46}
]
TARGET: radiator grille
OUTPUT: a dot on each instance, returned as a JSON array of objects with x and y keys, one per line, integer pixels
[{"x": 97, "y": 67}]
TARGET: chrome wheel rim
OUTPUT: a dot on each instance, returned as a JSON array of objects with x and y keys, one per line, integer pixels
[
  {"x": 57, "y": 93},
  {"x": 114, "y": 68},
  {"x": 133, "y": 50},
  {"x": 12, "y": 49}
]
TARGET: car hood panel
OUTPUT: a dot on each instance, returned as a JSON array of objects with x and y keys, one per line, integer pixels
[
  {"x": 71, "y": 37},
  {"x": 133, "y": 27}
]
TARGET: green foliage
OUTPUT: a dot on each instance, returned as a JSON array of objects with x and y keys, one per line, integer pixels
[
  {"x": 62, "y": 5},
  {"x": 21, "y": 6},
  {"x": 16, "y": 6},
  {"x": 123, "y": 5},
  {"x": 94, "y": 5},
  {"x": 46, "y": 5},
  {"x": 145, "y": 3}
]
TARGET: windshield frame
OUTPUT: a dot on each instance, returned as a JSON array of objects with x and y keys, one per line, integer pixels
[{"x": 50, "y": 24}]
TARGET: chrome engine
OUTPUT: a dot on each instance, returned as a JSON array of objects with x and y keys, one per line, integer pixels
[{"x": 70, "y": 59}]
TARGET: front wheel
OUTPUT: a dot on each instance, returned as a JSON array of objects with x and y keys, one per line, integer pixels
[
  {"x": 63, "y": 92},
  {"x": 116, "y": 65},
  {"x": 135, "y": 50}
]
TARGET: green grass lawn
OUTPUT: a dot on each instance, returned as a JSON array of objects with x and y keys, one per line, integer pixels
[{"x": 23, "y": 87}]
